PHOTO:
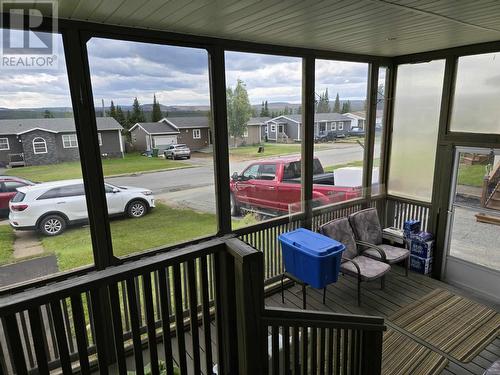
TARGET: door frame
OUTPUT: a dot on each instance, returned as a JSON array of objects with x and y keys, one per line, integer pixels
[{"x": 466, "y": 274}]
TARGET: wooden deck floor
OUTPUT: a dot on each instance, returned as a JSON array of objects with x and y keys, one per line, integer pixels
[{"x": 399, "y": 291}]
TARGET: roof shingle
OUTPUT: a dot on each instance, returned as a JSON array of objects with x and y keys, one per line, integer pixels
[{"x": 57, "y": 125}]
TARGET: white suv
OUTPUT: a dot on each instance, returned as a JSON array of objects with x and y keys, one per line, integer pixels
[{"x": 49, "y": 207}]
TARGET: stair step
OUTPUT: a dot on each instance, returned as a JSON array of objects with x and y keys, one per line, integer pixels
[{"x": 483, "y": 218}]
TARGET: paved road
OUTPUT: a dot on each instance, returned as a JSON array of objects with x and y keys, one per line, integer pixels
[{"x": 194, "y": 187}]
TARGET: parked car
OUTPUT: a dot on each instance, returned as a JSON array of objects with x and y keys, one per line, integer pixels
[
  {"x": 8, "y": 186},
  {"x": 273, "y": 186},
  {"x": 357, "y": 132},
  {"x": 50, "y": 207},
  {"x": 177, "y": 152},
  {"x": 331, "y": 136}
]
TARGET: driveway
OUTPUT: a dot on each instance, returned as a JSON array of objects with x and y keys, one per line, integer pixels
[{"x": 194, "y": 187}]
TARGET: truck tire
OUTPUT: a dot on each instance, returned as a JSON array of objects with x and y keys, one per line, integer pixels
[{"x": 235, "y": 208}]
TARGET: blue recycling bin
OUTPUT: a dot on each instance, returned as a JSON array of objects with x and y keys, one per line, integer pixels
[{"x": 311, "y": 257}]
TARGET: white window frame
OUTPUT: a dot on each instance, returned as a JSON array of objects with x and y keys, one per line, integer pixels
[
  {"x": 37, "y": 142},
  {"x": 334, "y": 126},
  {"x": 273, "y": 128},
  {"x": 69, "y": 140},
  {"x": 3, "y": 144},
  {"x": 341, "y": 126},
  {"x": 196, "y": 133},
  {"x": 99, "y": 137},
  {"x": 245, "y": 133}
]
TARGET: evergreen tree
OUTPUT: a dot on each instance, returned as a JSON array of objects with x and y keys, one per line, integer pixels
[
  {"x": 239, "y": 110},
  {"x": 299, "y": 110},
  {"x": 346, "y": 107},
  {"x": 47, "y": 114},
  {"x": 112, "y": 110},
  {"x": 120, "y": 116},
  {"x": 156, "y": 114},
  {"x": 137, "y": 114},
  {"x": 262, "y": 110},
  {"x": 336, "y": 105},
  {"x": 266, "y": 109},
  {"x": 323, "y": 105}
]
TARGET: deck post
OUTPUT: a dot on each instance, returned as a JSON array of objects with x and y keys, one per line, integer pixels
[
  {"x": 307, "y": 136},
  {"x": 249, "y": 290},
  {"x": 371, "y": 360}
]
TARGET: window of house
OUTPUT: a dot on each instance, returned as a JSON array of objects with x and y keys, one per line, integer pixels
[
  {"x": 4, "y": 144},
  {"x": 99, "y": 137},
  {"x": 69, "y": 141},
  {"x": 39, "y": 146},
  {"x": 417, "y": 104},
  {"x": 247, "y": 87},
  {"x": 477, "y": 88},
  {"x": 27, "y": 93},
  {"x": 341, "y": 87},
  {"x": 180, "y": 206}
]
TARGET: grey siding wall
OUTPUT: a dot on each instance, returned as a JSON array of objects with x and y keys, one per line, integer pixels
[
  {"x": 65, "y": 154},
  {"x": 111, "y": 143},
  {"x": 15, "y": 147},
  {"x": 30, "y": 158},
  {"x": 292, "y": 130},
  {"x": 139, "y": 139},
  {"x": 186, "y": 136}
]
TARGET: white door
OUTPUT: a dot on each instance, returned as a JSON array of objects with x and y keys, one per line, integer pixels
[
  {"x": 165, "y": 140},
  {"x": 473, "y": 253},
  {"x": 114, "y": 199}
]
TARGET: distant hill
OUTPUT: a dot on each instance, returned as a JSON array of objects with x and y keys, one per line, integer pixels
[{"x": 169, "y": 110}]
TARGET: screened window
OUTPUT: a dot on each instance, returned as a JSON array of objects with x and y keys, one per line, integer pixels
[
  {"x": 4, "y": 144},
  {"x": 477, "y": 89},
  {"x": 414, "y": 138},
  {"x": 69, "y": 141},
  {"x": 196, "y": 134},
  {"x": 39, "y": 146}
]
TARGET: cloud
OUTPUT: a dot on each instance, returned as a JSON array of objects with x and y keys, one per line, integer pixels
[{"x": 122, "y": 70}]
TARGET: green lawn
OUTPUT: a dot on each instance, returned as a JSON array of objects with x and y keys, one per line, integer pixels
[
  {"x": 162, "y": 226},
  {"x": 6, "y": 242},
  {"x": 471, "y": 175},
  {"x": 131, "y": 163}
]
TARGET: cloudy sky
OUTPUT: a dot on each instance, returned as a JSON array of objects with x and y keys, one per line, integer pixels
[{"x": 178, "y": 76}]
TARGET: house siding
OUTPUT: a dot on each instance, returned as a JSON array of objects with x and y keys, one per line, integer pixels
[
  {"x": 252, "y": 139},
  {"x": 64, "y": 154},
  {"x": 15, "y": 147},
  {"x": 138, "y": 136},
  {"x": 30, "y": 158},
  {"x": 186, "y": 137},
  {"x": 111, "y": 143}
]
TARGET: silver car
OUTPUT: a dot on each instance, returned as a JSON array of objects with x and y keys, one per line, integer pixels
[{"x": 177, "y": 152}]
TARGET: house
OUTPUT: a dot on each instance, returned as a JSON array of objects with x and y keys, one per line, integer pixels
[
  {"x": 194, "y": 131},
  {"x": 53, "y": 140},
  {"x": 286, "y": 128},
  {"x": 358, "y": 119},
  {"x": 254, "y": 133}
]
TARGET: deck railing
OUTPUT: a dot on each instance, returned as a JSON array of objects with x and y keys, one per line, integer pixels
[
  {"x": 320, "y": 342},
  {"x": 398, "y": 210},
  {"x": 98, "y": 319}
]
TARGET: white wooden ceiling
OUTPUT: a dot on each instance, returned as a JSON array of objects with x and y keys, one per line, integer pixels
[{"x": 377, "y": 27}]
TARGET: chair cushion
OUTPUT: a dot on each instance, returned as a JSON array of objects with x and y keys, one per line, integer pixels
[
  {"x": 370, "y": 269},
  {"x": 340, "y": 230},
  {"x": 366, "y": 226},
  {"x": 393, "y": 254}
]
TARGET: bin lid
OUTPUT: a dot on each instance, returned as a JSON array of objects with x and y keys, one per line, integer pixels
[{"x": 311, "y": 242}]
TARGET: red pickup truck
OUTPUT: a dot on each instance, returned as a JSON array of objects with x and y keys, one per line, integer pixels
[{"x": 273, "y": 187}]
